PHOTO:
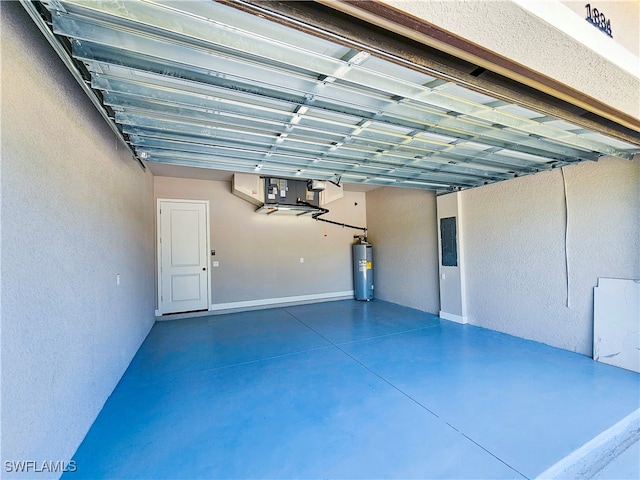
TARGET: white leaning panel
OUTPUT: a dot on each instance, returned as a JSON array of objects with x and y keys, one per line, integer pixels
[{"x": 616, "y": 323}]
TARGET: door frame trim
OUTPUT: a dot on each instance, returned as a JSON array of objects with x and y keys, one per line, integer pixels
[{"x": 160, "y": 311}]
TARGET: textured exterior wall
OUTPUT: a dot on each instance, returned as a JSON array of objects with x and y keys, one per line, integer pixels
[
  {"x": 260, "y": 254},
  {"x": 515, "y": 255},
  {"x": 508, "y": 29},
  {"x": 403, "y": 230},
  {"x": 624, "y": 16},
  {"x": 75, "y": 213}
]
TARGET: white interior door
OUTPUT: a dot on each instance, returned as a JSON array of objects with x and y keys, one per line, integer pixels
[{"x": 183, "y": 242}]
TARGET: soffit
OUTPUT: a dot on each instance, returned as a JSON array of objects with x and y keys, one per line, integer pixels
[{"x": 206, "y": 85}]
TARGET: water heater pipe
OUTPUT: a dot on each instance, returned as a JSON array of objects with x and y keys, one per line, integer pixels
[{"x": 316, "y": 216}]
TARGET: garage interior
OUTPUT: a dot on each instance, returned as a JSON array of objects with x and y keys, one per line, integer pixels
[
  {"x": 352, "y": 389},
  {"x": 481, "y": 367}
]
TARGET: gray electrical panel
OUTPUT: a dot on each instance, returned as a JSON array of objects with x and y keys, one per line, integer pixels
[{"x": 449, "y": 242}]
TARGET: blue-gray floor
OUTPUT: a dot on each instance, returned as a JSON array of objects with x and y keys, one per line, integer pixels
[{"x": 348, "y": 390}]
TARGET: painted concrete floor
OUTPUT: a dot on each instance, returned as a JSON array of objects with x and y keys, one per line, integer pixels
[{"x": 348, "y": 390}]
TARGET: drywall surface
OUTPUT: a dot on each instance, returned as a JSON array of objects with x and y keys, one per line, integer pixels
[
  {"x": 76, "y": 212},
  {"x": 453, "y": 305},
  {"x": 259, "y": 255},
  {"x": 403, "y": 230},
  {"x": 510, "y": 30},
  {"x": 516, "y": 275}
]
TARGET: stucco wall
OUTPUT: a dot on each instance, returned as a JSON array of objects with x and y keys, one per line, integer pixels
[
  {"x": 75, "y": 213},
  {"x": 512, "y": 31},
  {"x": 624, "y": 16},
  {"x": 515, "y": 249},
  {"x": 403, "y": 230},
  {"x": 259, "y": 255}
]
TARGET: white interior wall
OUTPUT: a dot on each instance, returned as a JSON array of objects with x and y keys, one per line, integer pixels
[
  {"x": 259, "y": 255},
  {"x": 515, "y": 249},
  {"x": 76, "y": 211},
  {"x": 453, "y": 304},
  {"x": 403, "y": 230}
]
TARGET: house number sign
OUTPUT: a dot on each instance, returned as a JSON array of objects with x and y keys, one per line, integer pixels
[{"x": 596, "y": 18}]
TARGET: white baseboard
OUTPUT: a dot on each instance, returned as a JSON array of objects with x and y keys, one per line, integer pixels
[
  {"x": 281, "y": 301},
  {"x": 230, "y": 307},
  {"x": 452, "y": 317}
]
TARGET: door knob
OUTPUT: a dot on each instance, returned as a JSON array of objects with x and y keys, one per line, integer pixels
[{"x": 204, "y": 269}]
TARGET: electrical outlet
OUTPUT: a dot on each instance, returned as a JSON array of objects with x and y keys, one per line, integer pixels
[
  {"x": 301, "y": 260},
  {"x": 118, "y": 279}
]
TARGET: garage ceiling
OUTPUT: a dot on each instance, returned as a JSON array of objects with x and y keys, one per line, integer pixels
[{"x": 206, "y": 85}]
